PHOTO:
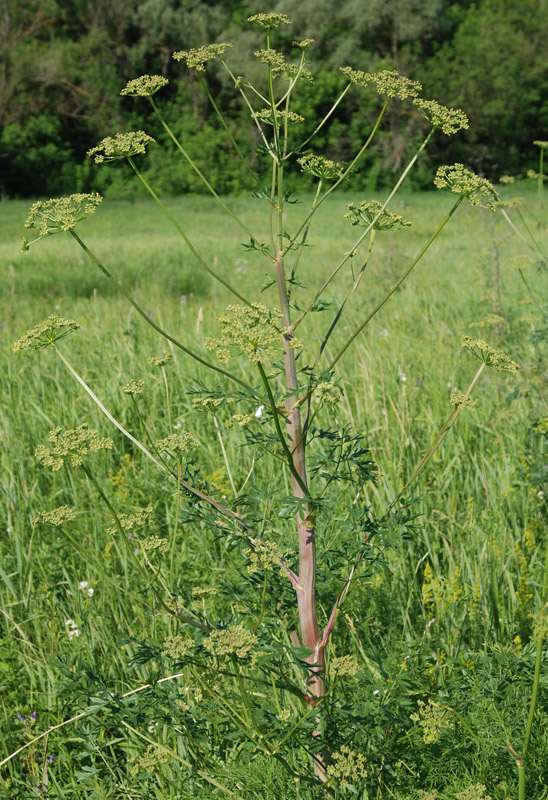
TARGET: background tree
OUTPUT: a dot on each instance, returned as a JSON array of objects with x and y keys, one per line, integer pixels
[{"x": 63, "y": 64}]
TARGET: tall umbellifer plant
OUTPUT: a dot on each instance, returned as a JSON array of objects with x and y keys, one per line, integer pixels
[{"x": 282, "y": 402}]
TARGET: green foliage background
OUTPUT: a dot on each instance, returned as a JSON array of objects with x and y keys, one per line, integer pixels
[{"x": 64, "y": 62}]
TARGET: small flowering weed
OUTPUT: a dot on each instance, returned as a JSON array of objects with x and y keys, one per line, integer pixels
[
  {"x": 122, "y": 145},
  {"x": 233, "y": 640},
  {"x": 373, "y": 214},
  {"x": 489, "y": 355},
  {"x": 343, "y": 665},
  {"x": 177, "y": 443},
  {"x": 450, "y": 120},
  {"x": 465, "y": 183},
  {"x": 45, "y": 333},
  {"x": 254, "y": 331},
  {"x": 280, "y": 67},
  {"x": 57, "y": 516},
  {"x": 347, "y": 768},
  {"x": 134, "y": 387},
  {"x": 133, "y": 522},
  {"x": 145, "y": 86},
  {"x": 433, "y": 718},
  {"x": 475, "y": 791},
  {"x": 269, "y": 21},
  {"x": 60, "y": 214},
  {"x": 177, "y": 647},
  {"x": 387, "y": 82},
  {"x": 161, "y": 361},
  {"x": 197, "y": 58},
  {"x": 70, "y": 446},
  {"x": 266, "y": 115},
  {"x": 321, "y": 167}
]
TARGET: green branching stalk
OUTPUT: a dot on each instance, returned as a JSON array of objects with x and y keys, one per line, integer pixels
[
  {"x": 273, "y": 105},
  {"x": 348, "y": 297},
  {"x": 156, "y": 327},
  {"x": 448, "y": 424},
  {"x": 398, "y": 283},
  {"x": 200, "y": 174},
  {"x": 369, "y": 228},
  {"x": 249, "y": 106},
  {"x": 285, "y": 673},
  {"x": 185, "y": 238},
  {"x": 273, "y": 206},
  {"x": 230, "y": 135},
  {"x": 320, "y": 125}
]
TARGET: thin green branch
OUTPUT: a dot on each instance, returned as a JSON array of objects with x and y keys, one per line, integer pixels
[
  {"x": 324, "y": 120},
  {"x": 183, "y": 235},
  {"x": 448, "y": 424},
  {"x": 535, "y": 242},
  {"x": 200, "y": 174},
  {"x": 363, "y": 235},
  {"x": 230, "y": 135},
  {"x": 156, "y": 327},
  {"x": 272, "y": 104},
  {"x": 351, "y": 167},
  {"x": 237, "y": 84},
  {"x": 398, "y": 283},
  {"x": 534, "y": 246},
  {"x": 347, "y": 299}
]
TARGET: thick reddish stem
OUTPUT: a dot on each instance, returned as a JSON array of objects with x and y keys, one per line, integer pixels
[{"x": 306, "y": 596}]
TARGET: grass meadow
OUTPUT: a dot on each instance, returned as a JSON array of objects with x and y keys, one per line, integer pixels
[{"x": 441, "y": 628}]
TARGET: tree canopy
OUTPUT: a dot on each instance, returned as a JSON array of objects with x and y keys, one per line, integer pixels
[{"x": 63, "y": 64}]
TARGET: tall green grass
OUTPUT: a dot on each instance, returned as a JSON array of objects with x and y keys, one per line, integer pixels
[{"x": 449, "y": 614}]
